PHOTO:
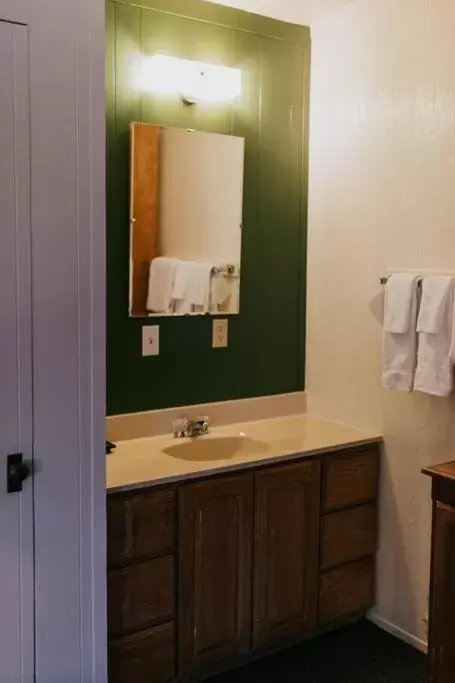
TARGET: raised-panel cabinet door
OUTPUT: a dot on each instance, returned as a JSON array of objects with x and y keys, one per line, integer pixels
[
  {"x": 215, "y": 568},
  {"x": 285, "y": 552},
  {"x": 442, "y": 626},
  {"x": 16, "y": 509}
]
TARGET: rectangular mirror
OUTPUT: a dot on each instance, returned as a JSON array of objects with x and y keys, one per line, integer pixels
[{"x": 186, "y": 200}]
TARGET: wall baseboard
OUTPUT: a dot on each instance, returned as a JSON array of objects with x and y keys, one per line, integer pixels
[{"x": 400, "y": 633}]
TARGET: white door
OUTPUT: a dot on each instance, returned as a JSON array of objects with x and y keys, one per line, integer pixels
[{"x": 16, "y": 509}]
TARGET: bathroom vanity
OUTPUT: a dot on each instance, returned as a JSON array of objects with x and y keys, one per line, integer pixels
[
  {"x": 212, "y": 569},
  {"x": 442, "y": 586}
]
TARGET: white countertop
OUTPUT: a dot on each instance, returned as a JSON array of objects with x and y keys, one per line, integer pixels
[{"x": 137, "y": 463}]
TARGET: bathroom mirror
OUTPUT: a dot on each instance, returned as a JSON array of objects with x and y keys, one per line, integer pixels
[{"x": 186, "y": 199}]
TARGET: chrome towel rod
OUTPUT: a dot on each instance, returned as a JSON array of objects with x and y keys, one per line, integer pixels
[
  {"x": 228, "y": 269},
  {"x": 384, "y": 280}
]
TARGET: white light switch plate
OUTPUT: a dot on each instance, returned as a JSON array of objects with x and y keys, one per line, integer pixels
[
  {"x": 220, "y": 333},
  {"x": 151, "y": 340}
]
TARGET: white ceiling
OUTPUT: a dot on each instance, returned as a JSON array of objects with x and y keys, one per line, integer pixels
[{"x": 298, "y": 11}]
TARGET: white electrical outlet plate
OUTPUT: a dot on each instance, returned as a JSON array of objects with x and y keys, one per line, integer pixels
[
  {"x": 220, "y": 333},
  {"x": 151, "y": 340}
]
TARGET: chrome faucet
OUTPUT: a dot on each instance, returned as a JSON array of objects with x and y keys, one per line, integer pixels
[{"x": 185, "y": 427}]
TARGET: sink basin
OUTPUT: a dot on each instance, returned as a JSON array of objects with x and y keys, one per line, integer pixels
[{"x": 205, "y": 448}]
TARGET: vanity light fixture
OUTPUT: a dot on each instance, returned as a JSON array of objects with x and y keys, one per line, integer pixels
[{"x": 193, "y": 81}]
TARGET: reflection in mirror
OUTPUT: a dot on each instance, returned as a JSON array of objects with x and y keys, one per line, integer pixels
[{"x": 185, "y": 221}]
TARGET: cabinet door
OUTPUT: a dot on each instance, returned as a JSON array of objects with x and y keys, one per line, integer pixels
[
  {"x": 286, "y": 552},
  {"x": 215, "y": 570},
  {"x": 442, "y": 651}
]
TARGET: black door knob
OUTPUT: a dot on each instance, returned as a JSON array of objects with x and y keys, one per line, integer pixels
[{"x": 16, "y": 473}]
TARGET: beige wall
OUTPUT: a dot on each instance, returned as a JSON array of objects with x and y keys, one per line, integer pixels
[{"x": 382, "y": 195}]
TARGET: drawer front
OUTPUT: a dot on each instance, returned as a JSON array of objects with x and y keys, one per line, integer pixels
[
  {"x": 140, "y": 526},
  {"x": 347, "y": 590},
  {"x": 145, "y": 656},
  {"x": 348, "y": 535},
  {"x": 140, "y": 595},
  {"x": 350, "y": 479}
]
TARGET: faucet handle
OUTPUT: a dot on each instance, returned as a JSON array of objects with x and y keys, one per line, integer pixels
[
  {"x": 187, "y": 427},
  {"x": 200, "y": 426},
  {"x": 180, "y": 426},
  {"x": 202, "y": 423}
]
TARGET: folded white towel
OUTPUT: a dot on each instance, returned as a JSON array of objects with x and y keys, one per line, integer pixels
[
  {"x": 182, "y": 276},
  {"x": 180, "y": 291},
  {"x": 399, "y": 350},
  {"x": 161, "y": 283},
  {"x": 199, "y": 285},
  {"x": 192, "y": 287},
  {"x": 433, "y": 307},
  {"x": 434, "y": 373},
  {"x": 398, "y": 299}
]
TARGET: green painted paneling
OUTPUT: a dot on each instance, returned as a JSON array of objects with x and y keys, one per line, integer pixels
[{"x": 266, "y": 344}]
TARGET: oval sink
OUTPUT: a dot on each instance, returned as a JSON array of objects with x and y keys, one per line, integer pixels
[{"x": 216, "y": 448}]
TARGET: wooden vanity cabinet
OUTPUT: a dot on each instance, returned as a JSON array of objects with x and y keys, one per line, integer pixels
[
  {"x": 206, "y": 574},
  {"x": 441, "y": 647}
]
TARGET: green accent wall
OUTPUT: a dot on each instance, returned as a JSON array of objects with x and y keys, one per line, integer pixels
[{"x": 266, "y": 350}]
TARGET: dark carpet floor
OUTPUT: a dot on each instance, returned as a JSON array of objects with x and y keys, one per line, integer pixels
[{"x": 361, "y": 653}]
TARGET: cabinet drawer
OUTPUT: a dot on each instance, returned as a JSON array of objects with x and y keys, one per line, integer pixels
[
  {"x": 140, "y": 526},
  {"x": 348, "y": 535},
  {"x": 140, "y": 595},
  {"x": 145, "y": 656},
  {"x": 350, "y": 479},
  {"x": 346, "y": 591}
]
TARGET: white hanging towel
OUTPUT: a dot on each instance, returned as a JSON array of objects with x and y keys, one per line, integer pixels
[
  {"x": 161, "y": 283},
  {"x": 434, "y": 373},
  {"x": 180, "y": 290},
  {"x": 199, "y": 285},
  {"x": 399, "y": 348},
  {"x": 399, "y": 291},
  {"x": 192, "y": 287}
]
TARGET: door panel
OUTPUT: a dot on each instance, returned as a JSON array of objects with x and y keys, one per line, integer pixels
[
  {"x": 16, "y": 511},
  {"x": 285, "y": 552},
  {"x": 216, "y": 520}
]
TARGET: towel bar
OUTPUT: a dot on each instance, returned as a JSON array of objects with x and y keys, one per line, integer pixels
[
  {"x": 228, "y": 269},
  {"x": 384, "y": 280}
]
